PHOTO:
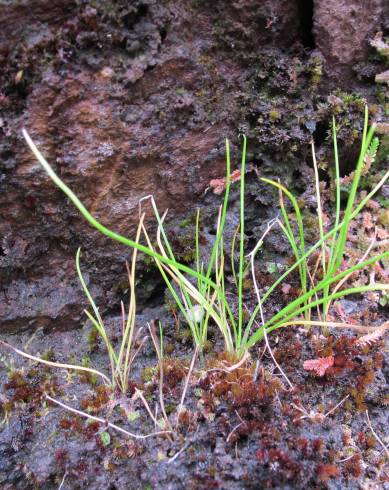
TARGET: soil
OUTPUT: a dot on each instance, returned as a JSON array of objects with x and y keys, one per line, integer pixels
[{"x": 128, "y": 99}]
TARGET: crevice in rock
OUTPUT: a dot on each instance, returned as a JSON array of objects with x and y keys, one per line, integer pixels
[
  {"x": 133, "y": 17},
  {"x": 306, "y": 12}
]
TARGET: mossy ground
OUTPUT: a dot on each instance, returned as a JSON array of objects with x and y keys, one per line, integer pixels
[
  {"x": 239, "y": 429},
  {"x": 176, "y": 71}
]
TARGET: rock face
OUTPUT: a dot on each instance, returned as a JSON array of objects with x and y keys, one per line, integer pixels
[
  {"x": 342, "y": 29},
  {"x": 128, "y": 99}
]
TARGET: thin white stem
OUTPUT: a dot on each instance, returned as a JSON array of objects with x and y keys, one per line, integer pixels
[
  {"x": 252, "y": 257},
  {"x": 160, "y": 362},
  {"x": 274, "y": 359},
  {"x": 56, "y": 364},
  {"x": 345, "y": 459},
  {"x": 123, "y": 318},
  {"x": 233, "y": 430},
  {"x": 184, "y": 447},
  {"x": 103, "y": 421},
  {"x": 62, "y": 481},
  {"x": 232, "y": 368},
  {"x": 181, "y": 405},
  {"x": 385, "y": 448},
  {"x": 139, "y": 394},
  {"x": 352, "y": 326},
  {"x": 336, "y": 406},
  {"x": 345, "y": 278}
]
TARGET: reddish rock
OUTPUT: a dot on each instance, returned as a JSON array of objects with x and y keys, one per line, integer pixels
[
  {"x": 342, "y": 30},
  {"x": 125, "y": 99}
]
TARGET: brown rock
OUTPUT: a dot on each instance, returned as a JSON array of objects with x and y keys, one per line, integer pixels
[
  {"x": 342, "y": 30},
  {"x": 125, "y": 99}
]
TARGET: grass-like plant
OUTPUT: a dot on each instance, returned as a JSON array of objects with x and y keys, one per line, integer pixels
[
  {"x": 204, "y": 298},
  {"x": 332, "y": 245},
  {"x": 200, "y": 291},
  {"x": 121, "y": 361}
]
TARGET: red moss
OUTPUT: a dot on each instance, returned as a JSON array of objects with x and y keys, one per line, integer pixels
[
  {"x": 262, "y": 455},
  {"x": 98, "y": 400},
  {"x": 90, "y": 429},
  {"x": 239, "y": 390},
  {"x": 221, "y": 388},
  {"x": 365, "y": 379},
  {"x": 332, "y": 455},
  {"x": 353, "y": 466},
  {"x": 209, "y": 401},
  {"x": 289, "y": 467},
  {"x": 72, "y": 424},
  {"x": 61, "y": 457},
  {"x": 359, "y": 399},
  {"x": 361, "y": 438},
  {"x": 366, "y": 440},
  {"x": 302, "y": 444},
  {"x": 326, "y": 471},
  {"x": 65, "y": 423},
  {"x": 81, "y": 469},
  {"x": 288, "y": 349},
  {"x": 378, "y": 360},
  {"x": 371, "y": 441},
  {"x": 187, "y": 420},
  {"x": 221, "y": 360},
  {"x": 318, "y": 446},
  {"x": 28, "y": 390},
  {"x": 173, "y": 372},
  {"x": 204, "y": 482},
  {"x": 15, "y": 380},
  {"x": 127, "y": 450},
  {"x": 343, "y": 349}
]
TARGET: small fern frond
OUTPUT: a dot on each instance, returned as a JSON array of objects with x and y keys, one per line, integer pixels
[
  {"x": 370, "y": 155},
  {"x": 374, "y": 336}
]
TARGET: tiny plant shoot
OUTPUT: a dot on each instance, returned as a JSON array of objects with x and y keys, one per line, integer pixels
[{"x": 200, "y": 291}]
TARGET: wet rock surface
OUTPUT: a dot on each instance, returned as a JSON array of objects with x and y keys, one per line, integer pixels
[
  {"x": 128, "y": 99},
  {"x": 243, "y": 429},
  {"x": 342, "y": 30}
]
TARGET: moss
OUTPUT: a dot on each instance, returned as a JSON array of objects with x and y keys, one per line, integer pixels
[
  {"x": 383, "y": 217},
  {"x": 185, "y": 335},
  {"x": 97, "y": 400},
  {"x": 310, "y": 226},
  {"x": 148, "y": 262},
  {"x": 173, "y": 372},
  {"x": 274, "y": 115},
  {"x": 187, "y": 222},
  {"x": 170, "y": 304},
  {"x": 208, "y": 346},
  {"x": 383, "y": 149},
  {"x": 169, "y": 348},
  {"x": 184, "y": 245},
  {"x": 148, "y": 373},
  {"x": 49, "y": 355},
  {"x": 93, "y": 339},
  {"x": 315, "y": 70},
  {"x": 170, "y": 408},
  {"x": 86, "y": 377}
]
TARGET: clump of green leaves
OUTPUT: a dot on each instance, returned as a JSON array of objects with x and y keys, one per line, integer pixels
[
  {"x": 319, "y": 294},
  {"x": 200, "y": 291}
]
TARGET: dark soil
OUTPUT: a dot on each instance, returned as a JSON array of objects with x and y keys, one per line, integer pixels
[
  {"x": 238, "y": 430},
  {"x": 128, "y": 99}
]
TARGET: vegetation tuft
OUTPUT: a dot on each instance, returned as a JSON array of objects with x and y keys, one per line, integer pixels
[{"x": 200, "y": 291}]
